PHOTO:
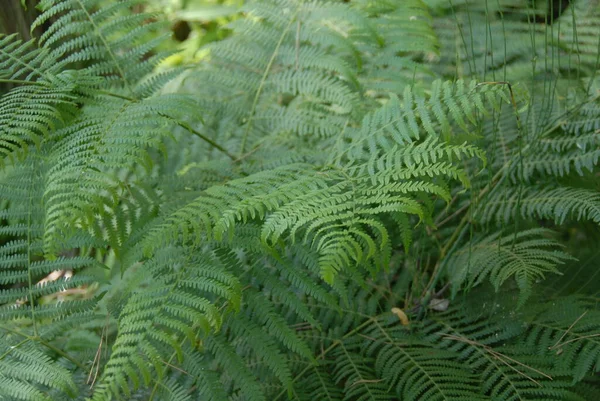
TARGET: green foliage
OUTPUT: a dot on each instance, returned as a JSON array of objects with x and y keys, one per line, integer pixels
[{"x": 343, "y": 201}]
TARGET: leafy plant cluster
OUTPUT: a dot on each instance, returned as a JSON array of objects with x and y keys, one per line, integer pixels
[{"x": 372, "y": 200}]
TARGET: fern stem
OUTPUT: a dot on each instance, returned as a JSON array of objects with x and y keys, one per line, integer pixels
[
  {"x": 29, "y": 275},
  {"x": 262, "y": 83},
  {"x": 112, "y": 94},
  {"x": 14, "y": 347},
  {"x": 206, "y": 139},
  {"x": 21, "y": 82}
]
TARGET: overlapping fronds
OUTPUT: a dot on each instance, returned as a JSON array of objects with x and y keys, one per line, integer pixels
[
  {"x": 406, "y": 29},
  {"x": 105, "y": 138},
  {"x": 478, "y": 351},
  {"x": 24, "y": 61},
  {"x": 335, "y": 211},
  {"x": 244, "y": 232}
]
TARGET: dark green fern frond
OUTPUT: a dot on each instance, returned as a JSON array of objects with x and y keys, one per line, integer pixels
[
  {"x": 237, "y": 372},
  {"x": 317, "y": 384},
  {"x": 173, "y": 300},
  {"x": 358, "y": 377},
  {"x": 527, "y": 256},
  {"x": 483, "y": 335},
  {"x": 568, "y": 329},
  {"x": 415, "y": 369}
]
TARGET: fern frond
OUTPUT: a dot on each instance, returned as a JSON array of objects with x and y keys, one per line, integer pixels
[
  {"x": 28, "y": 115},
  {"x": 93, "y": 149},
  {"x": 481, "y": 334},
  {"x": 557, "y": 204},
  {"x": 568, "y": 329},
  {"x": 579, "y": 29},
  {"x": 337, "y": 212},
  {"x": 24, "y": 61},
  {"x": 170, "y": 304},
  {"x": 359, "y": 379},
  {"x": 412, "y": 367},
  {"x": 108, "y": 41},
  {"x": 25, "y": 370},
  {"x": 417, "y": 117},
  {"x": 234, "y": 365},
  {"x": 406, "y": 30},
  {"x": 527, "y": 256},
  {"x": 318, "y": 384}
]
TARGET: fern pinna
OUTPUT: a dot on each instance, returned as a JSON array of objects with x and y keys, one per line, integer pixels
[{"x": 372, "y": 200}]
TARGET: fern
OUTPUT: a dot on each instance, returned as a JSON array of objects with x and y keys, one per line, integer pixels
[{"x": 368, "y": 200}]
